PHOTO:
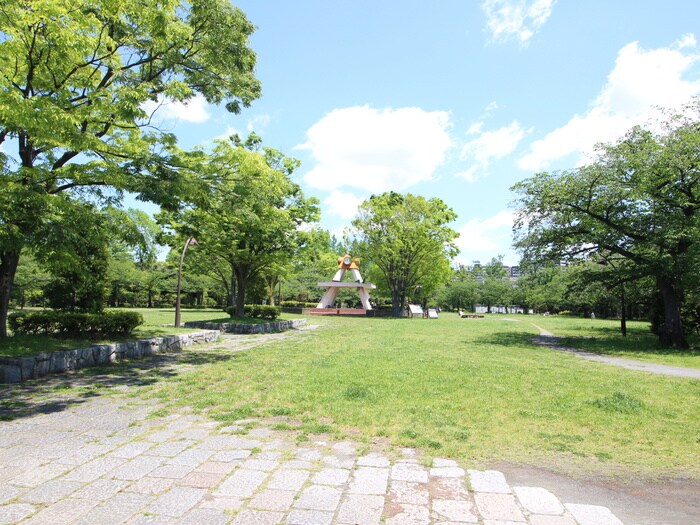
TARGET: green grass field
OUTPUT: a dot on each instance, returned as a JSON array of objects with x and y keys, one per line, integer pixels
[
  {"x": 477, "y": 390},
  {"x": 474, "y": 389}
]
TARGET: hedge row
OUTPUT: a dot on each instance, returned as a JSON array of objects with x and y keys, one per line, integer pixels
[
  {"x": 261, "y": 311},
  {"x": 69, "y": 324},
  {"x": 298, "y": 304}
]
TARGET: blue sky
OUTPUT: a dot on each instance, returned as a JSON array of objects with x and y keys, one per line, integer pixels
[{"x": 452, "y": 99}]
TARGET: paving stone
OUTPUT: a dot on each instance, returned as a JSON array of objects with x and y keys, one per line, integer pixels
[
  {"x": 115, "y": 510},
  {"x": 206, "y": 517},
  {"x": 150, "y": 519},
  {"x": 369, "y": 480},
  {"x": 309, "y": 517},
  {"x": 331, "y": 476},
  {"x": 64, "y": 512},
  {"x": 447, "y": 472},
  {"x": 15, "y": 512},
  {"x": 94, "y": 469},
  {"x": 85, "y": 454},
  {"x": 286, "y": 479},
  {"x": 177, "y": 501},
  {"x": 360, "y": 508},
  {"x": 39, "y": 475},
  {"x": 489, "y": 481},
  {"x": 137, "y": 468},
  {"x": 409, "y": 492},
  {"x": 265, "y": 465},
  {"x": 346, "y": 462},
  {"x": 373, "y": 460},
  {"x": 171, "y": 471},
  {"x": 592, "y": 514},
  {"x": 8, "y": 493},
  {"x": 258, "y": 517},
  {"x": 131, "y": 450},
  {"x": 216, "y": 467},
  {"x": 191, "y": 457},
  {"x": 549, "y": 520},
  {"x": 308, "y": 454},
  {"x": 242, "y": 483},
  {"x": 171, "y": 448},
  {"x": 409, "y": 515},
  {"x": 227, "y": 503},
  {"x": 444, "y": 463},
  {"x": 204, "y": 480},
  {"x": 409, "y": 472},
  {"x": 537, "y": 500},
  {"x": 149, "y": 485},
  {"x": 498, "y": 507},
  {"x": 276, "y": 500},
  {"x": 230, "y": 455},
  {"x": 101, "y": 489},
  {"x": 51, "y": 491},
  {"x": 160, "y": 436},
  {"x": 449, "y": 488},
  {"x": 319, "y": 497},
  {"x": 455, "y": 510}
]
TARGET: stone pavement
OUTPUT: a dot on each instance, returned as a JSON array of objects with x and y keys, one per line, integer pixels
[{"x": 107, "y": 460}]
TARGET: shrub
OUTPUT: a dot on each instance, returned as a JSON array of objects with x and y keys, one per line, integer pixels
[
  {"x": 69, "y": 324},
  {"x": 257, "y": 311}
]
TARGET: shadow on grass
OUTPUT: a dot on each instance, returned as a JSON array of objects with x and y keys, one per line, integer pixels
[
  {"x": 509, "y": 339},
  {"x": 619, "y": 346},
  {"x": 59, "y": 392}
]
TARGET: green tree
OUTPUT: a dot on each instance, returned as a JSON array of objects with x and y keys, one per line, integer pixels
[
  {"x": 640, "y": 200},
  {"x": 74, "y": 78},
  {"x": 251, "y": 222},
  {"x": 408, "y": 241},
  {"x": 494, "y": 286}
]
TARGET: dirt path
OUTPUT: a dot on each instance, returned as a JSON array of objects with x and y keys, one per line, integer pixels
[{"x": 548, "y": 339}]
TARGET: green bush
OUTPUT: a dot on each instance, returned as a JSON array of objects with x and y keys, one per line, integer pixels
[
  {"x": 298, "y": 304},
  {"x": 70, "y": 324},
  {"x": 257, "y": 311}
]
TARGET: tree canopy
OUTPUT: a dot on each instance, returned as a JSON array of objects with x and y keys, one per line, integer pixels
[
  {"x": 408, "y": 240},
  {"x": 252, "y": 220},
  {"x": 74, "y": 81},
  {"x": 638, "y": 202}
]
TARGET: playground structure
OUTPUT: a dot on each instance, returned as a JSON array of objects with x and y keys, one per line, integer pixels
[{"x": 327, "y": 304}]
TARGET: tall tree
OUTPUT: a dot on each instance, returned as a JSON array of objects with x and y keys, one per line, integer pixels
[
  {"x": 640, "y": 200},
  {"x": 254, "y": 213},
  {"x": 74, "y": 78},
  {"x": 408, "y": 240}
]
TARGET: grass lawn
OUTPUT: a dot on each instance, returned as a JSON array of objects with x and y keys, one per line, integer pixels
[
  {"x": 473, "y": 389},
  {"x": 603, "y": 337},
  {"x": 157, "y": 322}
]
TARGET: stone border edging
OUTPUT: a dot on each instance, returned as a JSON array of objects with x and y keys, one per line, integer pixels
[
  {"x": 18, "y": 369},
  {"x": 262, "y": 328}
]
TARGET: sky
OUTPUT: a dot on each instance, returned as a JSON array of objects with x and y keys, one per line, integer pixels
[{"x": 455, "y": 99}]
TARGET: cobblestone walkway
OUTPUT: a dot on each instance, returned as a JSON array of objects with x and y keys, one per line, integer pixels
[{"x": 106, "y": 461}]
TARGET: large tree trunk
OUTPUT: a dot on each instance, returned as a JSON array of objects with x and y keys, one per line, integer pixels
[
  {"x": 397, "y": 299},
  {"x": 9, "y": 260},
  {"x": 241, "y": 282},
  {"x": 671, "y": 333}
]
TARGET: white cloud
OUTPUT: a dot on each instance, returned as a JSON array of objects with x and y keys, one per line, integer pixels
[
  {"x": 226, "y": 135},
  {"x": 194, "y": 110},
  {"x": 342, "y": 204},
  {"x": 516, "y": 19},
  {"x": 376, "y": 150},
  {"x": 490, "y": 145},
  {"x": 258, "y": 123},
  {"x": 640, "y": 83},
  {"x": 484, "y": 239}
]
